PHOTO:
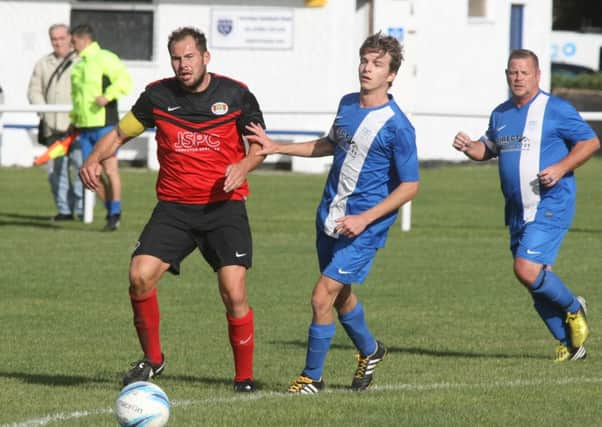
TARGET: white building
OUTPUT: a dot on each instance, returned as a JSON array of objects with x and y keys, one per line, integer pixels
[{"x": 298, "y": 59}]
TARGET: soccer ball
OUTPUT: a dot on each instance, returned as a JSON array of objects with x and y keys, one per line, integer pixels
[{"x": 142, "y": 404}]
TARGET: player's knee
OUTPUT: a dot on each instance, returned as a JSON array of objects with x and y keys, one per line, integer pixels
[
  {"x": 345, "y": 300},
  {"x": 526, "y": 273},
  {"x": 321, "y": 305},
  {"x": 237, "y": 298},
  {"x": 236, "y": 305},
  {"x": 140, "y": 283}
]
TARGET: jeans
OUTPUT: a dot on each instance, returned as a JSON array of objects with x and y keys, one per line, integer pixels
[{"x": 67, "y": 188}]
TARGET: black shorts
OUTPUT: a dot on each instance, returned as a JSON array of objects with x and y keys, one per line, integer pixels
[{"x": 220, "y": 230}]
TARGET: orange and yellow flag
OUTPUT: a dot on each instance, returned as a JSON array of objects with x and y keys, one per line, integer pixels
[{"x": 57, "y": 149}]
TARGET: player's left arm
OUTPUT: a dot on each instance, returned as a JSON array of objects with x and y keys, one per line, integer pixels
[
  {"x": 236, "y": 174},
  {"x": 404, "y": 159},
  {"x": 571, "y": 127},
  {"x": 581, "y": 152},
  {"x": 353, "y": 225}
]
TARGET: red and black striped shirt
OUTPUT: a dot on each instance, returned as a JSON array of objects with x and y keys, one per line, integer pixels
[{"x": 198, "y": 136}]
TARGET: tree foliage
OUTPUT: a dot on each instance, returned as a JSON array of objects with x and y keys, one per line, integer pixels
[{"x": 582, "y": 81}]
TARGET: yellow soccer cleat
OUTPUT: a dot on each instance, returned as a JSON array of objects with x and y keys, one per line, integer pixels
[
  {"x": 578, "y": 327},
  {"x": 564, "y": 353}
]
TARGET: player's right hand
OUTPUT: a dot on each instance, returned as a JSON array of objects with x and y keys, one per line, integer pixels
[
  {"x": 90, "y": 174},
  {"x": 462, "y": 142}
]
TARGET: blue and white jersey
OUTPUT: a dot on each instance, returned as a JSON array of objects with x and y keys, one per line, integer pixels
[
  {"x": 375, "y": 152},
  {"x": 527, "y": 140}
]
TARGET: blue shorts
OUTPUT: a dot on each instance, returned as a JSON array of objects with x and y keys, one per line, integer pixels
[
  {"x": 343, "y": 259},
  {"x": 88, "y": 138},
  {"x": 537, "y": 242}
]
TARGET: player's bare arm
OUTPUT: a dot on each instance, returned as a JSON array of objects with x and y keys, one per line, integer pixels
[
  {"x": 474, "y": 150},
  {"x": 581, "y": 153},
  {"x": 237, "y": 173},
  {"x": 105, "y": 148},
  {"x": 315, "y": 148},
  {"x": 354, "y": 225}
]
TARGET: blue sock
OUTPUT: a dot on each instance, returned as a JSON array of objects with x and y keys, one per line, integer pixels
[
  {"x": 114, "y": 207},
  {"x": 549, "y": 286},
  {"x": 318, "y": 343},
  {"x": 553, "y": 317},
  {"x": 355, "y": 325}
]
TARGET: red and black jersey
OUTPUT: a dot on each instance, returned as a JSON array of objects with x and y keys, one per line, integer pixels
[{"x": 198, "y": 136}]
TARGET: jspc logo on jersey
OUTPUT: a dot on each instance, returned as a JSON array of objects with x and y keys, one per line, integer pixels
[
  {"x": 196, "y": 141},
  {"x": 219, "y": 108}
]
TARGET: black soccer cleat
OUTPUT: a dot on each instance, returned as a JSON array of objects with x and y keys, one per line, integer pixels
[
  {"x": 365, "y": 367},
  {"x": 113, "y": 222},
  {"x": 143, "y": 370},
  {"x": 245, "y": 386}
]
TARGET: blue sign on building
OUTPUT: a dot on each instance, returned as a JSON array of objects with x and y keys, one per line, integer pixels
[{"x": 397, "y": 32}]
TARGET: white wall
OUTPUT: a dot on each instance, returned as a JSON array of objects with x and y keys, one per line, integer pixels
[
  {"x": 454, "y": 73},
  {"x": 451, "y": 79}
]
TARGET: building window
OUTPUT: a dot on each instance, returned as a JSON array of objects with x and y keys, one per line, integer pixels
[
  {"x": 477, "y": 8},
  {"x": 124, "y": 28}
]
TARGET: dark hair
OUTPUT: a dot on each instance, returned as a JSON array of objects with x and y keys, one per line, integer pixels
[
  {"x": 385, "y": 44},
  {"x": 524, "y": 54},
  {"x": 183, "y": 32},
  {"x": 83, "y": 30}
]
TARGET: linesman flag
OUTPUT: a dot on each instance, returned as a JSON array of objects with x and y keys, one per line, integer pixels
[{"x": 57, "y": 149}]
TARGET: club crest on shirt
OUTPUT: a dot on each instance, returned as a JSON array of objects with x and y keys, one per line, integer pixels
[{"x": 219, "y": 108}]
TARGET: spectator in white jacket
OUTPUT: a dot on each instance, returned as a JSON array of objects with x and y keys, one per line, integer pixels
[{"x": 50, "y": 83}]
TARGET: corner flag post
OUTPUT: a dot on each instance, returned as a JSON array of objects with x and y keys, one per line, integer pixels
[
  {"x": 406, "y": 216},
  {"x": 89, "y": 200}
]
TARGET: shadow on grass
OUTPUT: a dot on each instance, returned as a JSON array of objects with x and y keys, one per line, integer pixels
[
  {"x": 198, "y": 380},
  {"x": 462, "y": 227},
  {"x": 419, "y": 351},
  {"x": 11, "y": 218},
  {"x": 462, "y": 354},
  {"x": 45, "y": 221},
  {"x": 56, "y": 380},
  {"x": 585, "y": 230},
  {"x": 69, "y": 381}
]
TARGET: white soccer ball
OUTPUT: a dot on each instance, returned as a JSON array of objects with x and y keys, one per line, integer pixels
[{"x": 142, "y": 404}]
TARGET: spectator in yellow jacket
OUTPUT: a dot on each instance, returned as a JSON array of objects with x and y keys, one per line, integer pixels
[{"x": 98, "y": 80}]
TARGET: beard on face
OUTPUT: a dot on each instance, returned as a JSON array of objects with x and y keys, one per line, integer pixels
[{"x": 195, "y": 84}]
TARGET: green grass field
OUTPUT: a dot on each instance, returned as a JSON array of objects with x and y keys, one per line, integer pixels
[{"x": 466, "y": 348}]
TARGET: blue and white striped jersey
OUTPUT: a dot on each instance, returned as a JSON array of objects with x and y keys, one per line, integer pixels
[
  {"x": 527, "y": 140},
  {"x": 375, "y": 152}
]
